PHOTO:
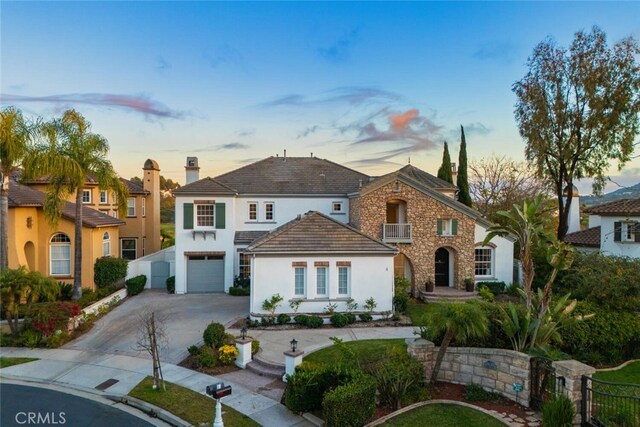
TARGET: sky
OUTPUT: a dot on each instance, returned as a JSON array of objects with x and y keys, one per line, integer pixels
[{"x": 371, "y": 85}]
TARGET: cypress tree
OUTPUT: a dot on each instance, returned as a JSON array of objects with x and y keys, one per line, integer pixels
[
  {"x": 463, "y": 179},
  {"x": 445, "y": 169}
]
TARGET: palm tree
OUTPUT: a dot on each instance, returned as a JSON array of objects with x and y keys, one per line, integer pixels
[
  {"x": 459, "y": 322},
  {"x": 15, "y": 135},
  {"x": 69, "y": 154}
]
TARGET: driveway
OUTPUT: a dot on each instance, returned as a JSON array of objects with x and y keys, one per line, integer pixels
[{"x": 186, "y": 318}]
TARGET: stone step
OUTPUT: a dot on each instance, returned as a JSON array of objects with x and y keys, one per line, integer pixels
[
  {"x": 265, "y": 369},
  {"x": 452, "y": 297}
]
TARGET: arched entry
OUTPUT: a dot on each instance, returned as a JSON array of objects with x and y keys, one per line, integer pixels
[
  {"x": 444, "y": 267},
  {"x": 402, "y": 267},
  {"x": 30, "y": 255}
]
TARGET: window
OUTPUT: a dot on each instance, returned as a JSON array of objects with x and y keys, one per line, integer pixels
[
  {"x": 484, "y": 261},
  {"x": 144, "y": 207},
  {"x": 115, "y": 214},
  {"x": 60, "y": 255},
  {"x": 629, "y": 231},
  {"x": 128, "y": 248},
  {"x": 131, "y": 206},
  {"x": 300, "y": 281},
  {"x": 106, "y": 244},
  {"x": 337, "y": 207},
  {"x": 86, "y": 196},
  {"x": 268, "y": 211},
  {"x": 626, "y": 231},
  {"x": 343, "y": 281},
  {"x": 244, "y": 270},
  {"x": 205, "y": 215},
  {"x": 103, "y": 197},
  {"x": 253, "y": 211},
  {"x": 447, "y": 227},
  {"x": 321, "y": 281}
]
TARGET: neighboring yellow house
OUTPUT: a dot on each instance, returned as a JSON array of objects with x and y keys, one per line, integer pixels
[{"x": 34, "y": 244}]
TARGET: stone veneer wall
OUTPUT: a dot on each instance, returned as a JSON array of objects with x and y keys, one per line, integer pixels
[{"x": 369, "y": 211}]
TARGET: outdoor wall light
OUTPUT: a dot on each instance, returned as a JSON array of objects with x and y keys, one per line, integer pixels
[
  {"x": 243, "y": 333},
  {"x": 294, "y": 344}
]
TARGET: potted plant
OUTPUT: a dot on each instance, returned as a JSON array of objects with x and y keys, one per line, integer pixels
[
  {"x": 429, "y": 285},
  {"x": 469, "y": 284}
]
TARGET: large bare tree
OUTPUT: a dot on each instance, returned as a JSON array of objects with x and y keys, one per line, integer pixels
[{"x": 578, "y": 109}]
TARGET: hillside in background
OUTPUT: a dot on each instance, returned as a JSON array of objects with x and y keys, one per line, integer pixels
[{"x": 632, "y": 192}]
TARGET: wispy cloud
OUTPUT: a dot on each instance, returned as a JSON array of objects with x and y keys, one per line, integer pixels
[
  {"x": 233, "y": 146},
  {"x": 136, "y": 103},
  {"x": 338, "y": 51},
  {"x": 246, "y": 132},
  {"x": 470, "y": 129},
  {"x": 352, "y": 95},
  {"x": 224, "y": 55},
  {"x": 162, "y": 64},
  {"x": 308, "y": 131},
  {"x": 502, "y": 52}
]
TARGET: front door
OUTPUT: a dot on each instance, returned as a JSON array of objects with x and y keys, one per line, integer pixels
[{"x": 442, "y": 267}]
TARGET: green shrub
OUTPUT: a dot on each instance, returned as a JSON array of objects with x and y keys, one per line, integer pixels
[
  {"x": 475, "y": 393},
  {"x": 214, "y": 335},
  {"x": 107, "y": 271},
  {"x": 49, "y": 317},
  {"x": 30, "y": 338},
  {"x": 239, "y": 292},
  {"x": 58, "y": 339},
  {"x": 255, "y": 346},
  {"x": 283, "y": 319},
  {"x": 242, "y": 282},
  {"x": 339, "y": 320},
  {"x": 193, "y": 350},
  {"x": 351, "y": 318},
  {"x": 494, "y": 287},
  {"x": 485, "y": 293},
  {"x": 512, "y": 289},
  {"x": 135, "y": 285},
  {"x": 6, "y": 340},
  {"x": 401, "y": 296},
  {"x": 352, "y": 404},
  {"x": 301, "y": 319},
  {"x": 208, "y": 357},
  {"x": 268, "y": 320},
  {"x": 171, "y": 284},
  {"x": 365, "y": 317},
  {"x": 396, "y": 377},
  {"x": 306, "y": 388},
  {"x": 558, "y": 412},
  {"x": 314, "y": 322},
  {"x": 605, "y": 338},
  {"x": 66, "y": 291}
]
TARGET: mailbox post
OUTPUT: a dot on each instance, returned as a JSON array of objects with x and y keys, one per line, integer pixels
[{"x": 218, "y": 391}]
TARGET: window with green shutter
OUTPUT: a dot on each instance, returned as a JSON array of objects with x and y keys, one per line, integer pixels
[
  {"x": 187, "y": 211},
  {"x": 454, "y": 227},
  {"x": 439, "y": 226},
  {"x": 220, "y": 215}
]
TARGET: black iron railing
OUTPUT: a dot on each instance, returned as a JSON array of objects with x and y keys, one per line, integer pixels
[{"x": 608, "y": 404}]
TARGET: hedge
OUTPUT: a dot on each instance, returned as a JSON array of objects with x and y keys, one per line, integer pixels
[
  {"x": 239, "y": 291},
  {"x": 107, "y": 271},
  {"x": 307, "y": 387},
  {"x": 339, "y": 320},
  {"x": 171, "y": 284},
  {"x": 135, "y": 285},
  {"x": 352, "y": 404},
  {"x": 494, "y": 287},
  {"x": 309, "y": 321}
]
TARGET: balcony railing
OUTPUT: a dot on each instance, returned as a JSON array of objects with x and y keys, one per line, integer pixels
[{"x": 396, "y": 233}]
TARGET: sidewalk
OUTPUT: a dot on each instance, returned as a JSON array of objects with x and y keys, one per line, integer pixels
[{"x": 88, "y": 369}]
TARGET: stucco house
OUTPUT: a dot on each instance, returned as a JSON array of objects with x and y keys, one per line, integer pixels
[
  {"x": 224, "y": 225},
  {"x": 614, "y": 229}
]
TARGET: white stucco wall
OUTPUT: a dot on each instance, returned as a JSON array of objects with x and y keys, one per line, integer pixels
[
  {"x": 371, "y": 276},
  {"x": 607, "y": 244},
  {"x": 594, "y": 220},
  {"x": 185, "y": 241},
  {"x": 285, "y": 210},
  {"x": 502, "y": 256}
]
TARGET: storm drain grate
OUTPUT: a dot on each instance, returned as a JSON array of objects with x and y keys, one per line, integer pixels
[{"x": 105, "y": 385}]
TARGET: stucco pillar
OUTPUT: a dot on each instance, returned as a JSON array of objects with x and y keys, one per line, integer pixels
[
  {"x": 244, "y": 352},
  {"x": 291, "y": 360},
  {"x": 422, "y": 350},
  {"x": 572, "y": 372}
]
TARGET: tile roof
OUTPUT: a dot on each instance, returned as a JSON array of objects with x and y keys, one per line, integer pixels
[
  {"x": 318, "y": 233},
  {"x": 205, "y": 186},
  {"x": 22, "y": 195},
  {"x": 615, "y": 208},
  {"x": 293, "y": 175},
  {"x": 134, "y": 188},
  {"x": 589, "y": 237},
  {"x": 413, "y": 174},
  {"x": 246, "y": 237}
]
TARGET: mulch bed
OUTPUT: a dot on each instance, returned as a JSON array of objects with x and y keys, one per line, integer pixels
[
  {"x": 191, "y": 362},
  {"x": 404, "y": 321}
]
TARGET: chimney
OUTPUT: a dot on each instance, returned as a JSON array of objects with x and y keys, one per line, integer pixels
[
  {"x": 192, "y": 169},
  {"x": 454, "y": 172},
  {"x": 285, "y": 155},
  {"x": 573, "y": 222}
]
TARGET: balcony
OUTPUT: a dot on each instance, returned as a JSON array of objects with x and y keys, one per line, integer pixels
[{"x": 396, "y": 233}]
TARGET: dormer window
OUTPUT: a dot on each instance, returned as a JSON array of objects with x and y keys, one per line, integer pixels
[{"x": 86, "y": 196}]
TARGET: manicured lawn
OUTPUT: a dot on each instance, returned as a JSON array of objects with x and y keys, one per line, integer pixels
[
  {"x": 442, "y": 415},
  {"x": 193, "y": 407},
  {"x": 629, "y": 374},
  {"x": 5, "y": 362},
  {"x": 367, "y": 351},
  {"x": 417, "y": 310}
]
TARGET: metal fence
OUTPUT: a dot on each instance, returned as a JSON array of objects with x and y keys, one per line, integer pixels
[{"x": 608, "y": 404}]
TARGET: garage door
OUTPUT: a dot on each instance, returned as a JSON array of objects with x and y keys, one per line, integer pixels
[{"x": 205, "y": 274}]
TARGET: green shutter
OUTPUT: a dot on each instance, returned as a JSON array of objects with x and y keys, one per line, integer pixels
[
  {"x": 187, "y": 216},
  {"x": 439, "y": 226},
  {"x": 220, "y": 215},
  {"x": 454, "y": 227}
]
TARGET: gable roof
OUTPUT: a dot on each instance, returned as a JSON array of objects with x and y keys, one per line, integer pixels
[
  {"x": 589, "y": 237},
  {"x": 293, "y": 175},
  {"x": 134, "y": 188},
  {"x": 318, "y": 233},
  {"x": 617, "y": 207},
  {"x": 246, "y": 237},
  {"x": 206, "y": 185},
  {"x": 23, "y": 195}
]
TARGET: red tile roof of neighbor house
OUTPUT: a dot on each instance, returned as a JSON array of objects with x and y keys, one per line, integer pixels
[
  {"x": 617, "y": 207},
  {"x": 589, "y": 237},
  {"x": 317, "y": 233},
  {"x": 23, "y": 195}
]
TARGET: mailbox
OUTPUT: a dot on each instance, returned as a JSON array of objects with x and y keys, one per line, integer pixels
[{"x": 218, "y": 390}]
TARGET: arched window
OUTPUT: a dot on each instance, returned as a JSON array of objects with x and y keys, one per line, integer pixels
[
  {"x": 106, "y": 244},
  {"x": 60, "y": 255}
]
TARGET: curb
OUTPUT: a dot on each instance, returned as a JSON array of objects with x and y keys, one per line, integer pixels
[{"x": 615, "y": 368}]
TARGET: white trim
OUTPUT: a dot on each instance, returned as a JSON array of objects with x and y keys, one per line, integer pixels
[
  {"x": 249, "y": 204},
  {"x": 131, "y": 208},
  {"x": 144, "y": 207},
  {"x": 348, "y": 277},
  {"x": 337, "y": 203},
  {"x": 326, "y": 281},
  {"x": 204, "y": 216},
  {"x": 491, "y": 262},
  {"x": 106, "y": 244},
  {"x": 304, "y": 282},
  {"x": 266, "y": 211},
  {"x": 60, "y": 244},
  {"x": 135, "y": 248},
  {"x": 84, "y": 192},
  {"x": 104, "y": 200}
]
